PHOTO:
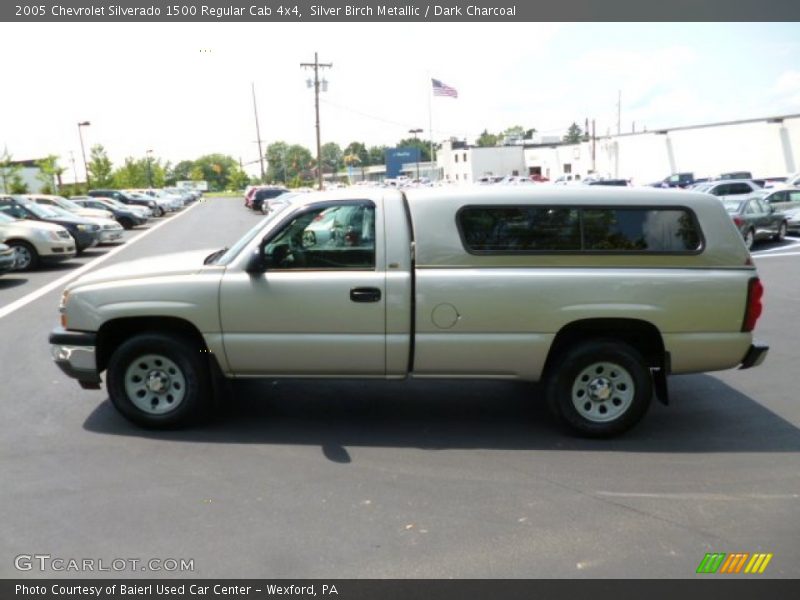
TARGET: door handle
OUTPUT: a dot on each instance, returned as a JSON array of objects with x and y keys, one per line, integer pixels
[{"x": 365, "y": 294}]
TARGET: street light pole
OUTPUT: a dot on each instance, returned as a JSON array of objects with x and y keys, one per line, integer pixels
[
  {"x": 149, "y": 169},
  {"x": 415, "y": 132},
  {"x": 316, "y": 65},
  {"x": 83, "y": 151}
]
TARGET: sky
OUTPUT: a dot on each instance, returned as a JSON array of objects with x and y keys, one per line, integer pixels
[{"x": 184, "y": 89}]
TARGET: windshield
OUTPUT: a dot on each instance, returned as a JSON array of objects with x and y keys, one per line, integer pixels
[
  {"x": 703, "y": 187},
  {"x": 69, "y": 204},
  {"x": 40, "y": 210},
  {"x": 234, "y": 250}
]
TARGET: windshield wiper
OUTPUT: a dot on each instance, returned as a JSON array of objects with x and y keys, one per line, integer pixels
[{"x": 214, "y": 256}]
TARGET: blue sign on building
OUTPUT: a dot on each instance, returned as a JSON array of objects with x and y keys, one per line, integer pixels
[{"x": 397, "y": 157}]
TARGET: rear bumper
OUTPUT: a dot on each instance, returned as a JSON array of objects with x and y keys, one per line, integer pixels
[
  {"x": 74, "y": 353},
  {"x": 755, "y": 356}
]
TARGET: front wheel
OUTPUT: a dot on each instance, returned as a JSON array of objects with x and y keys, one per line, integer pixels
[
  {"x": 159, "y": 381},
  {"x": 600, "y": 388},
  {"x": 27, "y": 258}
]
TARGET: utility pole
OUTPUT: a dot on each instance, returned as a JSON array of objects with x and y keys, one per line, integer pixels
[
  {"x": 594, "y": 141},
  {"x": 258, "y": 133},
  {"x": 316, "y": 65},
  {"x": 419, "y": 151},
  {"x": 619, "y": 112}
]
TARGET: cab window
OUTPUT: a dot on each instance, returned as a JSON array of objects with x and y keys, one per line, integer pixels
[{"x": 332, "y": 236}]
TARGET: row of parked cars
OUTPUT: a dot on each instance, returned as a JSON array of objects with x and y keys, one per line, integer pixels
[{"x": 41, "y": 228}]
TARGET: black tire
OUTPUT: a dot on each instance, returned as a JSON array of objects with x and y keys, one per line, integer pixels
[
  {"x": 186, "y": 355},
  {"x": 599, "y": 403},
  {"x": 29, "y": 252},
  {"x": 778, "y": 237},
  {"x": 126, "y": 223},
  {"x": 160, "y": 212}
]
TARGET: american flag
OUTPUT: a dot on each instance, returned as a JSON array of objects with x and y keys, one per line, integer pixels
[{"x": 441, "y": 89}]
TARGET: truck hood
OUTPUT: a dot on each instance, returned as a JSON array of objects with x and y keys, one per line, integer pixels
[{"x": 182, "y": 263}]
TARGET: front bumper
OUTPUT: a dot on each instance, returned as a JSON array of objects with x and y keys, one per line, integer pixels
[
  {"x": 755, "y": 355},
  {"x": 74, "y": 353},
  {"x": 110, "y": 235}
]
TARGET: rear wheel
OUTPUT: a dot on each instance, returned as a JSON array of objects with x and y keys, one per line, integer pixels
[
  {"x": 159, "y": 381},
  {"x": 27, "y": 258},
  {"x": 749, "y": 238},
  {"x": 600, "y": 388},
  {"x": 778, "y": 237}
]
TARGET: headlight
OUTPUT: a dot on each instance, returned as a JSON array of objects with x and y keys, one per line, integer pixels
[
  {"x": 151, "y": 204},
  {"x": 46, "y": 234},
  {"x": 83, "y": 227}
]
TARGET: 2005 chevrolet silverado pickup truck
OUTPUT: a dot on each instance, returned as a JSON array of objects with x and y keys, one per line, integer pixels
[{"x": 599, "y": 293}]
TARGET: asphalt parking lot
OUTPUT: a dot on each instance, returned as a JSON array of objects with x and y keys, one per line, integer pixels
[{"x": 330, "y": 479}]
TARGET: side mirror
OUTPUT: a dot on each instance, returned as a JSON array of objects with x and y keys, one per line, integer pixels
[{"x": 259, "y": 262}]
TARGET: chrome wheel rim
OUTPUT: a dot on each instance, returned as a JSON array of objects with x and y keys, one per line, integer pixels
[
  {"x": 603, "y": 392},
  {"x": 748, "y": 240},
  {"x": 22, "y": 257},
  {"x": 155, "y": 384},
  {"x": 782, "y": 231}
]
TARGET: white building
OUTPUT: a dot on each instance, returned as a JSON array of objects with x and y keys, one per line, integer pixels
[
  {"x": 28, "y": 172},
  {"x": 767, "y": 147},
  {"x": 460, "y": 163}
]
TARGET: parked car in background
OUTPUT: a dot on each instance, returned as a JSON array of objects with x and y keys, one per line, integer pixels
[
  {"x": 8, "y": 259},
  {"x": 35, "y": 242},
  {"x": 167, "y": 202},
  {"x": 110, "y": 230},
  {"x": 792, "y": 219},
  {"x": 68, "y": 205},
  {"x": 163, "y": 205},
  {"x": 127, "y": 216},
  {"x": 611, "y": 182},
  {"x": 681, "y": 180},
  {"x": 727, "y": 189},
  {"x": 85, "y": 233},
  {"x": 756, "y": 220},
  {"x": 782, "y": 199},
  {"x": 258, "y": 195},
  {"x": 735, "y": 175},
  {"x": 126, "y": 199}
]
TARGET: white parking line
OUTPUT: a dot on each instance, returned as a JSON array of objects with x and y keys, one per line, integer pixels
[
  {"x": 759, "y": 256},
  {"x": 61, "y": 281}
]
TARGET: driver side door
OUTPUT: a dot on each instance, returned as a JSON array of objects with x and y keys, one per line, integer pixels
[{"x": 319, "y": 308}]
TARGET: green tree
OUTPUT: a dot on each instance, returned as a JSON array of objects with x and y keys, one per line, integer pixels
[
  {"x": 377, "y": 155},
  {"x": 423, "y": 145},
  {"x": 574, "y": 134},
  {"x": 139, "y": 173},
  {"x": 8, "y": 169},
  {"x": 332, "y": 157},
  {"x": 49, "y": 174},
  {"x": 100, "y": 167},
  {"x": 182, "y": 171},
  {"x": 216, "y": 169},
  {"x": 515, "y": 131},
  {"x": 289, "y": 164},
  {"x": 276, "y": 161},
  {"x": 360, "y": 150},
  {"x": 17, "y": 185},
  {"x": 487, "y": 140}
]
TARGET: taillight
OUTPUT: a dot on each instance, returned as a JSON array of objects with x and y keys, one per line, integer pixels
[
  {"x": 755, "y": 291},
  {"x": 738, "y": 221}
]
